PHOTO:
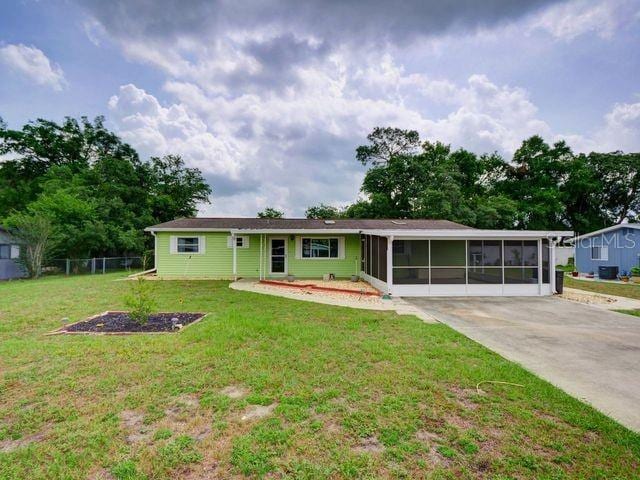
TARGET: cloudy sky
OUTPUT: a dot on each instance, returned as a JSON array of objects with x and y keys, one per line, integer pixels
[{"x": 270, "y": 98}]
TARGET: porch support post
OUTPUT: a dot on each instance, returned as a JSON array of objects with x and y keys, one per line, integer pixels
[
  {"x": 234, "y": 245},
  {"x": 552, "y": 265},
  {"x": 260, "y": 267},
  {"x": 390, "y": 265},
  {"x": 539, "y": 266}
]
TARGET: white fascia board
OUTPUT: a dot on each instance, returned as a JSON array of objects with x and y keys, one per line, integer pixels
[
  {"x": 298, "y": 231},
  {"x": 469, "y": 234},
  {"x": 151, "y": 229},
  {"x": 608, "y": 229}
]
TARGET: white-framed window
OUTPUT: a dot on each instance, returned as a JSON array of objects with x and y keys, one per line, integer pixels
[
  {"x": 320, "y": 247},
  {"x": 242, "y": 241},
  {"x": 187, "y": 244},
  {"x": 599, "y": 252}
]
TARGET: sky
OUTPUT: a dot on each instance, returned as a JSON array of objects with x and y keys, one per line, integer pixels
[{"x": 269, "y": 99}]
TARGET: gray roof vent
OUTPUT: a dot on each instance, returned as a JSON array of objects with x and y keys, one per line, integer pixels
[
  {"x": 398, "y": 222},
  {"x": 329, "y": 222}
]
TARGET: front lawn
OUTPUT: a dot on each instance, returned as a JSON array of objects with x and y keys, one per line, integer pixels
[
  {"x": 266, "y": 386},
  {"x": 629, "y": 290}
]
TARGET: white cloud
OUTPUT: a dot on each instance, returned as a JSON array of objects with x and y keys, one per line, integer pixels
[
  {"x": 34, "y": 64},
  {"x": 620, "y": 130},
  {"x": 295, "y": 147},
  {"x": 569, "y": 20},
  {"x": 272, "y": 112}
]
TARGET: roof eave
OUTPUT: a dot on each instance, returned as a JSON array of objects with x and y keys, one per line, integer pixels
[{"x": 472, "y": 233}]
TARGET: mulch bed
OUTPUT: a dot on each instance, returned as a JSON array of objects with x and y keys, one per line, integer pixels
[{"x": 120, "y": 322}]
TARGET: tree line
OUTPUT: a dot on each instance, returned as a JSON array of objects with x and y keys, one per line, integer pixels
[
  {"x": 82, "y": 192},
  {"x": 544, "y": 187}
]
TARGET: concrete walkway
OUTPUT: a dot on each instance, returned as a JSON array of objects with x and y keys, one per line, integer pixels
[{"x": 588, "y": 351}]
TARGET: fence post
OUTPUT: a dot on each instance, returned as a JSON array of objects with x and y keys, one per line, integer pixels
[
  {"x": 104, "y": 265},
  {"x": 93, "y": 265},
  {"x": 68, "y": 269}
]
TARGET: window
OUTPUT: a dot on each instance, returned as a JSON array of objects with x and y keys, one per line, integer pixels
[
  {"x": 320, "y": 248},
  {"x": 241, "y": 242},
  {"x": 485, "y": 261},
  {"x": 5, "y": 251},
  {"x": 188, "y": 245},
  {"x": 448, "y": 253},
  {"x": 410, "y": 262},
  {"x": 521, "y": 261},
  {"x": 599, "y": 252}
]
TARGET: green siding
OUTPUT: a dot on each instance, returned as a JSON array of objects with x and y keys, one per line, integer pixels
[{"x": 217, "y": 261}]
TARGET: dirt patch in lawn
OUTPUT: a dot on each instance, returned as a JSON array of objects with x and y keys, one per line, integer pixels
[
  {"x": 428, "y": 437},
  {"x": 7, "y": 446},
  {"x": 369, "y": 445},
  {"x": 467, "y": 397},
  {"x": 234, "y": 391},
  {"x": 121, "y": 322},
  {"x": 133, "y": 424},
  {"x": 255, "y": 412}
]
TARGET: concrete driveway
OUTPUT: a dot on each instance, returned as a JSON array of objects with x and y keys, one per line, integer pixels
[{"x": 589, "y": 352}]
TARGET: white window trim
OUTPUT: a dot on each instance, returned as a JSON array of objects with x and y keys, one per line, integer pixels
[
  {"x": 15, "y": 252},
  {"x": 604, "y": 253},
  {"x": 173, "y": 244},
  {"x": 341, "y": 248},
  {"x": 244, "y": 238}
]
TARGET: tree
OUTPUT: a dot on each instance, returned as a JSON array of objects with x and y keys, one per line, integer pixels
[
  {"x": 323, "y": 211},
  {"x": 175, "y": 189},
  {"x": 387, "y": 143},
  {"x": 535, "y": 180},
  {"x": 270, "y": 213},
  {"x": 432, "y": 182},
  {"x": 92, "y": 186},
  {"x": 32, "y": 233}
]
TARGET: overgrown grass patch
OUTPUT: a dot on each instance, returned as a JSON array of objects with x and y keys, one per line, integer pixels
[{"x": 355, "y": 394}]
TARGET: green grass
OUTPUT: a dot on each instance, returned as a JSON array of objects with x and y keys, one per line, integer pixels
[
  {"x": 630, "y": 290},
  {"x": 343, "y": 380}
]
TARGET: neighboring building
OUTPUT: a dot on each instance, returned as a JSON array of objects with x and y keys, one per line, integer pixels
[
  {"x": 563, "y": 254},
  {"x": 9, "y": 253},
  {"x": 617, "y": 246},
  {"x": 399, "y": 257}
]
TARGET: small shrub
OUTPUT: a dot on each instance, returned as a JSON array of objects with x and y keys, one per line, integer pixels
[
  {"x": 140, "y": 301},
  {"x": 635, "y": 271}
]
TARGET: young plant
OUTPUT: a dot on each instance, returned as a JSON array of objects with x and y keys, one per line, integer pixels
[{"x": 140, "y": 301}]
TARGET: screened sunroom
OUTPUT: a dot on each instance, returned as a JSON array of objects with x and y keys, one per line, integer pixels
[{"x": 413, "y": 266}]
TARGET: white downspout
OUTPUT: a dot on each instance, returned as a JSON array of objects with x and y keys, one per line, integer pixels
[
  {"x": 155, "y": 252},
  {"x": 552, "y": 265},
  {"x": 260, "y": 267},
  {"x": 539, "y": 266},
  {"x": 234, "y": 245},
  {"x": 390, "y": 265}
]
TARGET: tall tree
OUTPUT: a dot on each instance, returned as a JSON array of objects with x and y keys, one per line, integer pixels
[
  {"x": 92, "y": 185},
  {"x": 433, "y": 182},
  {"x": 270, "y": 213},
  {"x": 323, "y": 212}
]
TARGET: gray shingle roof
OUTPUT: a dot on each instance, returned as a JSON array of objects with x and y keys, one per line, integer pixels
[{"x": 304, "y": 223}]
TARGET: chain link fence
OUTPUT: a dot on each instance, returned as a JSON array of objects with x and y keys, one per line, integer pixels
[{"x": 97, "y": 265}]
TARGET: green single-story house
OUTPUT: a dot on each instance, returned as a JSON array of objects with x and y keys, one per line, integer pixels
[{"x": 417, "y": 257}]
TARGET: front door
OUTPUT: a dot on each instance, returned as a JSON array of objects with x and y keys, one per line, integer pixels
[{"x": 278, "y": 254}]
